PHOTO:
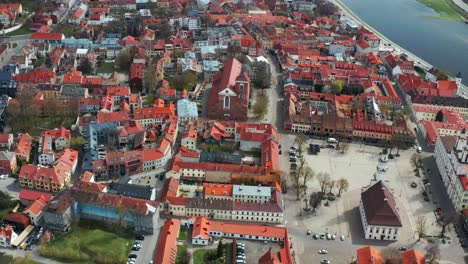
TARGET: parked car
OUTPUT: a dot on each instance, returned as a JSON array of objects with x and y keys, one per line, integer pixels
[
  {"x": 333, "y": 237},
  {"x": 342, "y": 238},
  {"x": 322, "y": 236},
  {"x": 309, "y": 232},
  {"x": 328, "y": 237},
  {"x": 140, "y": 237},
  {"x": 325, "y": 261},
  {"x": 402, "y": 248},
  {"x": 323, "y": 251},
  {"x": 315, "y": 236},
  {"x": 293, "y": 148}
]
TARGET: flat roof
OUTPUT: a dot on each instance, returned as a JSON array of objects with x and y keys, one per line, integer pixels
[{"x": 251, "y": 190}]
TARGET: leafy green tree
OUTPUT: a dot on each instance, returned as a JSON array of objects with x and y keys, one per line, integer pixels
[
  {"x": 85, "y": 66},
  {"x": 77, "y": 142},
  {"x": 123, "y": 61},
  {"x": 260, "y": 107},
  {"x": 220, "y": 249},
  {"x": 262, "y": 76}
]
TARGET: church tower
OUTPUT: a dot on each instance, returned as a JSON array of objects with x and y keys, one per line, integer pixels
[{"x": 382, "y": 166}]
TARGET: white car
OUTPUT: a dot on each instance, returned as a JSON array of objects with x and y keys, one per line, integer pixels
[
  {"x": 342, "y": 238},
  {"x": 323, "y": 251},
  {"x": 322, "y": 236},
  {"x": 333, "y": 237}
]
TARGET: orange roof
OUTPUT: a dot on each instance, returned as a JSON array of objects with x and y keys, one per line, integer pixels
[
  {"x": 118, "y": 91},
  {"x": 243, "y": 229},
  {"x": 152, "y": 154},
  {"x": 201, "y": 228},
  {"x": 369, "y": 255},
  {"x": 166, "y": 251},
  {"x": 269, "y": 258},
  {"x": 216, "y": 189},
  {"x": 413, "y": 257},
  {"x": 36, "y": 207},
  {"x": 87, "y": 176},
  {"x": 447, "y": 85},
  {"x": 57, "y": 133},
  {"x": 77, "y": 14}
]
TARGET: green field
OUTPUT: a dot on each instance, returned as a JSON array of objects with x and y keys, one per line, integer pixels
[
  {"x": 446, "y": 9},
  {"x": 182, "y": 233},
  {"x": 198, "y": 256},
  {"x": 180, "y": 249},
  {"x": 88, "y": 246},
  {"x": 20, "y": 31},
  {"x": 107, "y": 67}
]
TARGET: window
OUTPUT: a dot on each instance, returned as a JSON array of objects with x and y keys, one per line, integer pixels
[{"x": 227, "y": 102}]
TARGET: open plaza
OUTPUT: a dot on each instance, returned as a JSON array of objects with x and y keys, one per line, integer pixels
[{"x": 358, "y": 165}]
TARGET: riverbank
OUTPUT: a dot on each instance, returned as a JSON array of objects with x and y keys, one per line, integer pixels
[
  {"x": 463, "y": 89},
  {"x": 446, "y": 9}
]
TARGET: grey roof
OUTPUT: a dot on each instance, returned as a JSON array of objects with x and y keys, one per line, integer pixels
[
  {"x": 251, "y": 190},
  {"x": 131, "y": 190},
  {"x": 220, "y": 157},
  {"x": 187, "y": 108},
  {"x": 6, "y": 155},
  {"x": 211, "y": 65}
]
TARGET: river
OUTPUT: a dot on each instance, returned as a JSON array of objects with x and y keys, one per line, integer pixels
[{"x": 412, "y": 25}]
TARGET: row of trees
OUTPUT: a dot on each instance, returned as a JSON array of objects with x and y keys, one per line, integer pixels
[
  {"x": 304, "y": 174},
  {"x": 260, "y": 107}
]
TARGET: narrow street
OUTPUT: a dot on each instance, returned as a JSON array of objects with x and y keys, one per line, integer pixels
[{"x": 275, "y": 106}]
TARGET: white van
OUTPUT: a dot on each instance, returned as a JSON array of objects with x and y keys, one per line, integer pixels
[
  {"x": 332, "y": 140},
  {"x": 418, "y": 149}
]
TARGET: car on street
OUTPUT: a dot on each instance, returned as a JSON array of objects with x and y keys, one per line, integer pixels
[
  {"x": 315, "y": 236},
  {"x": 280, "y": 152},
  {"x": 140, "y": 237},
  {"x": 293, "y": 148},
  {"x": 342, "y": 238},
  {"x": 402, "y": 248},
  {"x": 328, "y": 237},
  {"x": 325, "y": 261},
  {"x": 309, "y": 232},
  {"x": 322, "y": 236},
  {"x": 333, "y": 237},
  {"x": 323, "y": 251}
]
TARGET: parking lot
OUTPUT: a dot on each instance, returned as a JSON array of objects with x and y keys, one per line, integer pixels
[{"x": 341, "y": 217}]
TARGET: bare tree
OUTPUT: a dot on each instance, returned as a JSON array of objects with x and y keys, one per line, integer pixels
[
  {"x": 323, "y": 179},
  {"x": 307, "y": 175},
  {"x": 343, "y": 185},
  {"x": 391, "y": 255},
  {"x": 331, "y": 184},
  {"x": 300, "y": 141},
  {"x": 421, "y": 227},
  {"x": 432, "y": 255},
  {"x": 315, "y": 200},
  {"x": 296, "y": 179},
  {"x": 344, "y": 147},
  {"x": 444, "y": 221}
]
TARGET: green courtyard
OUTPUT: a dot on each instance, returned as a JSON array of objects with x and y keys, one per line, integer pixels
[{"x": 88, "y": 246}]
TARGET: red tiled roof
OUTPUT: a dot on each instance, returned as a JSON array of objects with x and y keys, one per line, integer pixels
[
  {"x": 201, "y": 228},
  {"x": 89, "y": 186},
  {"x": 36, "y": 207},
  {"x": 17, "y": 217},
  {"x": 32, "y": 195},
  {"x": 269, "y": 258},
  {"x": 379, "y": 206},
  {"x": 57, "y": 133},
  {"x": 216, "y": 189},
  {"x": 369, "y": 255},
  {"x": 188, "y": 153},
  {"x": 152, "y": 154},
  {"x": 77, "y": 14},
  {"x": 118, "y": 91},
  {"x": 413, "y": 257},
  {"x": 47, "y": 36},
  {"x": 166, "y": 251},
  {"x": 4, "y": 138},
  {"x": 246, "y": 229}
]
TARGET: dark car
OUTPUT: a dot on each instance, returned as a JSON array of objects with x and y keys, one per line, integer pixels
[
  {"x": 136, "y": 248},
  {"x": 134, "y": 256},
  {"x": 140, "y": 237},
  {"x": 292, "y": 160}
]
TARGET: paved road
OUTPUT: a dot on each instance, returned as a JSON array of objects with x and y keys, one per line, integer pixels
[{"x": 461, "y": 4}]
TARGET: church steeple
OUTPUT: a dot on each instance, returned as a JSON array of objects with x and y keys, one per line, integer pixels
[{"x": 382, "y": 166}]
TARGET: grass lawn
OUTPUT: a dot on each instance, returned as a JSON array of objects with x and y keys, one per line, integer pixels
[
  {"x": 198, "y": 256},
  {"x": 83, "y": 245},
  {"x": 25, "y": 260},
  {"x": 20, "y": 31},
  {"x": 107, "y": 67},
  {"x": 444, "y": 8},
  {"x": 180, "y": 249},
  {"x": 182, "y": 233}
]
